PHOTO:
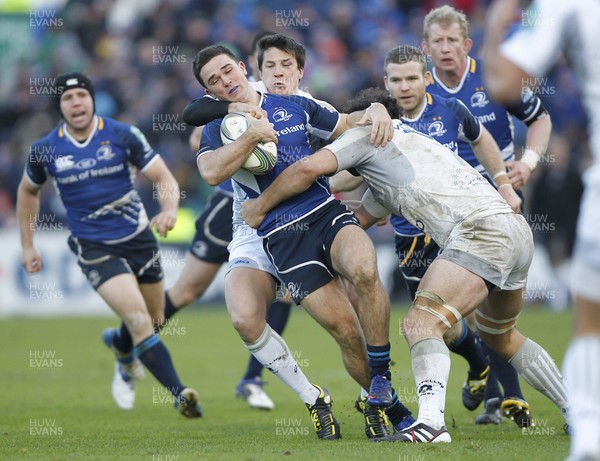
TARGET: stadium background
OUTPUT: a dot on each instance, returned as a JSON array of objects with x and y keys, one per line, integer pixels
[{"x": 139, "y": 56}]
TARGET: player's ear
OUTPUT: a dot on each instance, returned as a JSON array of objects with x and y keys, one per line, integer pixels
[
  {"x": 243, "y": 67},
  {"x": 301, "y": 72},
  {"x": 385, "y": 82},
  {"x": 428, "y": 78},
  {"x": 468, "y": 45},
  {"x": 425, "y": 47}
]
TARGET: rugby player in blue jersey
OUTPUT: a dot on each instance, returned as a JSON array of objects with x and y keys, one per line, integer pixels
[
  {"x": 456, "y": 74},
  {"x": 486, "y": 253},
  {"x": 249, "y": 290},
  {"x": 92, "y": 161}
]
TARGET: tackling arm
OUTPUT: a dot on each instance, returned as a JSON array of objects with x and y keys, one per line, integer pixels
[
  {"x": 294, "y": 180},
  {"x": 503, "y": 79},
  {"x": 376, "y": 114},
  {"x": 344, "y": 181}
]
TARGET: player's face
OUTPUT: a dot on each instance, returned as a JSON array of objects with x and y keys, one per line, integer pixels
[
  {"x": 225, "y": 79},
  {"x": 406, "y": 83},
  {"x": 447, "y": 47},
  {"x": 77, "y": 107},
  {"x": 280, "y": 72}
]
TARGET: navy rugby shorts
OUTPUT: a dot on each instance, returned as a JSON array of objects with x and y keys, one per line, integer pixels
[
  {"x": 214, "y": 229},
  {"x": 101, "y": 261},
  {"x": 300, "y": 251}
]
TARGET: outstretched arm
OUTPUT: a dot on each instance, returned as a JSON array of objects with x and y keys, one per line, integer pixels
[
  {"x": 292, "y": 181},
  {"x": 503, "y": 79},
  {"x": 382, "y": 129}
]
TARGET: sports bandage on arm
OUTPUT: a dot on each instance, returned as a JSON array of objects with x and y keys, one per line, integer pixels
[
  {"x": 530, "y": 158},
  {"x": 501, "y": 178}
]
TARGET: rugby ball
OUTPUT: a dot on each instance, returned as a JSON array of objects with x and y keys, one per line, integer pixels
[{"x": 264, "y": 156}]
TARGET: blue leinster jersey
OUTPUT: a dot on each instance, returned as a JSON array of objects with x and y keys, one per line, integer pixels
[
  {"x": 449, "y": 122},
  {"x": 95, "y": 178},
  {"x": 225, "y": 187},
  {"x": 495, "y": 118},
  {"x": 294, "y": 118}
]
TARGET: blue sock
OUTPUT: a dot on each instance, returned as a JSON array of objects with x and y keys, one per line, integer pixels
[
  {"x": 468, "y": 347},
  {"x": 122, "y": 341},
  {"x": 397, "y": 411},
  {"x": 379, "y": 360},
  {"x": 155, "y": 356},
  {"x": 493, "y": 388},
  {"x": 170, "y": 309},
  {"x": 277, "y": 317},
  {"x": 506, "y": 374}
]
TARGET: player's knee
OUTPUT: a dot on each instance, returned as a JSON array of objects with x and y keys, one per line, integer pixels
[
  {"x": 139, "y": 322},
  {"x": 249, "y": 325},
  {"x": 365, "y": 275},
  {"x": 429, "y": 316},
  {"x": 453, "y": 334}
]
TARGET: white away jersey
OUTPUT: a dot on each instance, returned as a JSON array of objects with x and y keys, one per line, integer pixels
[
  {"x": 551, "y": 26},
  {"x": 418, "y": 178}
]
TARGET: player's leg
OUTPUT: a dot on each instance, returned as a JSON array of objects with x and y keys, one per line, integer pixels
[
  {"x": 582, "y": 361},
  {"x": 397, "y": 413},
  {"x": 207, "y": 252},
  {"x": 124, "y": 296},
  {"x": 496, "y": 322},
  {"x": 191, "y": 284},
  {"x": 416, "y": 254},
  {"x": 331, "y": 309},
  {"x": 251, "y": 386},
  {"x": 512, "y": 402},
  {"x": 373, "y": 304},
  {"x": 248, "y": 292},
  {"x": 447, "y": 292}
]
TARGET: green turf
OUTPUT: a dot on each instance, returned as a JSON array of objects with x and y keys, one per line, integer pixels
[{"x": 55, "y": 401}]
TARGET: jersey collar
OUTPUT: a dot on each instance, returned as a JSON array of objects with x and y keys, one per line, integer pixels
[
  {"x": 74, "y": 141},
  {"x": 426, "y": 101},
  {"x": 457, "y": 88}
]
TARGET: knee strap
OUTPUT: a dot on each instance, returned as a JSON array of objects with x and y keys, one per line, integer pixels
[
  {"x": 433, "y": 303},
  {"x": 494, "y": 330}
]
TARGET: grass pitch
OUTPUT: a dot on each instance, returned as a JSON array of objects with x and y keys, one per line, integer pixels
[{"x": 55, "y": 401}]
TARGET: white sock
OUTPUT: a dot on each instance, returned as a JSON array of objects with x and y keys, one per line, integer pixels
[
  {"x": 538, "y": 369},
  {"x": 431, "y": 367},
  {"x": 582, "y": 373},
  {"x": 271, "y": 350}
]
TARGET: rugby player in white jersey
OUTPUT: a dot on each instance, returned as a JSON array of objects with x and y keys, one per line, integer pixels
[
  {"x": 486, "y": 252},
  {"x": 573, "y": 28}
]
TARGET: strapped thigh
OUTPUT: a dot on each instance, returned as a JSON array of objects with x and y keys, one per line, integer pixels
[
  {"x": 493, "y": 329},
  {"x": 434, "y": 304}
]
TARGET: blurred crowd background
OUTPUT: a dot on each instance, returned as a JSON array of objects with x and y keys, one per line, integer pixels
[{"x": 139, "y": 55}]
